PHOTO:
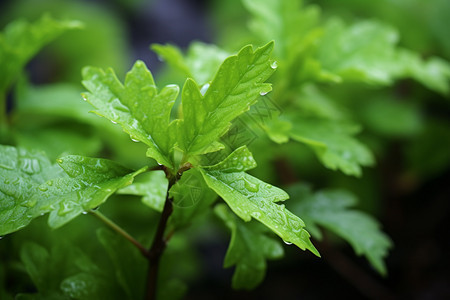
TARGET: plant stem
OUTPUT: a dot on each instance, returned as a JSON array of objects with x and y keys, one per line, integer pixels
[
  {"x": 120, "y": 231},
  {"x": 159, "y": 243}
]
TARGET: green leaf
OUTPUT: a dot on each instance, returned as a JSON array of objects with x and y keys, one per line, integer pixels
[
  {"x": 240, "y": 160},
  {"x": 333, "y": 143},
  {"x": 91, "y": 182},
  {"x": 21, "y": 174},
  {"x": 332, "y": 209},
  {"x": 152, "y": 186},
  {"x": 21, "y": 40},
  {"x": 31, "y": 186},
  {"x": 200, "y": 62},
  {"x": 250, "y": 197},
  {"x": 63, "y": 272},
  {"x": 236, "y": 86},
  {"x": 367, "y": 51},
  {"x": 249, "y": 248},
  {"x": 137, "y": 106},
  {"x": 173, "y": 56}
]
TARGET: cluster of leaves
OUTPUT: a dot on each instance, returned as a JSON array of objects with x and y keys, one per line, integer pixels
[{"x": 185, "y": 159}]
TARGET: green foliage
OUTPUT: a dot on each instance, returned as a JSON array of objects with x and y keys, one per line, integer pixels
[
  {"x": 249, "y": 248},
  {"x": 336, "y": 97},
  {"x": 250, "y": 197},
  {"x": 142, "y": 112},
  {"x": 236, "y": 85},
  {"x": 332, "y": 209},
  {"x": 32, "y": 186}
]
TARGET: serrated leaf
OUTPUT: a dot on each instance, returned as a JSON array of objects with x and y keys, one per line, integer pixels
[
  {"x": 250, "y": 197},
  {"x": 21, "y": 40},
  {"x": 91, "y": 182},
  {"x": 31, "y": 186},
  {"x": 333, "y": 143},
  {"x": 249, "y": 249},
  {"x": 240, "y": 160},
  {"x": 152, "y": 188},
  {"x": 236, "y": 86},
  {"x": 142, "y": 111},
  {"x": 21, "y": 174},
  {"x": 332, "y": 209}
]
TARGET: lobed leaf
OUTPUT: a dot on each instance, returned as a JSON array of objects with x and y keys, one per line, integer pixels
[
  {"x": 91, "y": 182},
  {"x": 332, "y": 209},
  {"x": 237, "y": 84},
  {"x": 250, "y": 197},
  {"x": 142, "y": 111},
  {"x": 249, "y": 249},
  {"x": 31, "y": 186},
  {"x": 333, "y": 143}
]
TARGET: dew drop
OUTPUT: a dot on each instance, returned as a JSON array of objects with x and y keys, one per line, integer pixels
[
  {"x": 1, "y": 237},
  {"x": 256, "y": 215},
  {"x": 263, "y": 93},
  {"x": 114, "y": 122},
  {"x": 84, "y": 212},
  {"x": 251, "y": 187},
  {"x": 204, "y": 89},
  {"x": 274, "y": 65},
  {"x": 29, "y": 203},
  {"x": 287, "y": 243},
  {"x": 84, "y": 98},
  {"x": 43, "y": 188}
]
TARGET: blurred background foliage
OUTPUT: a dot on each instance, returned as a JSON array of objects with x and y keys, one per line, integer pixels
[{"x": 403, "y": 120}]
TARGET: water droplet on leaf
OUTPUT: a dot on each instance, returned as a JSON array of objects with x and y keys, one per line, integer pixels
[
  {"x": 252, "y": 187},
  {"x": 256, "y": 215},
  {"x": 43, "y": 188},
  {"x": 287, "y": 243},
  {"x": 204, "y": 89},
  {"x": 263, "y": 93},
  {"x": 274, "y": 65},
  {"x": 29, "y": 203}
]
